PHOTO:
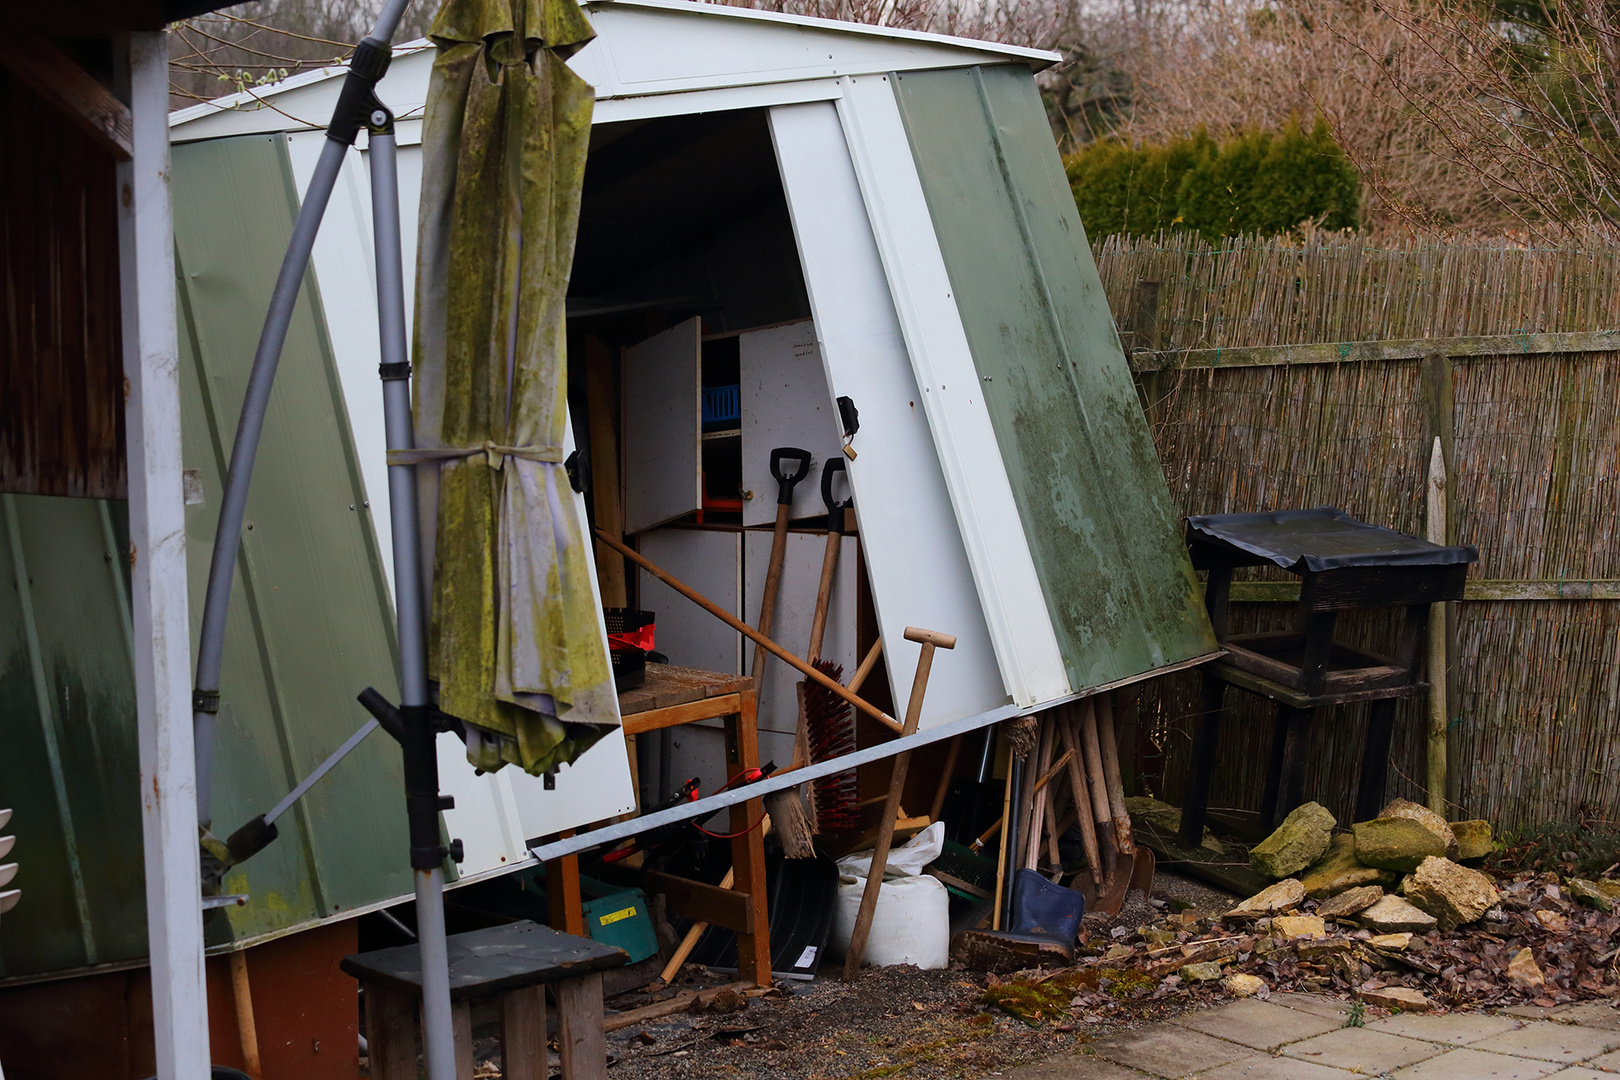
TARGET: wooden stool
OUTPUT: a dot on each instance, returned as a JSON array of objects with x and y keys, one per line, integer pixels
[
  {"x": 1343, "y": 564},
  {"x": 513, "y": 963}
]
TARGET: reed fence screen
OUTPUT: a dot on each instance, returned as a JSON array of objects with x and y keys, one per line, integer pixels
[{"x": 1282, "y": 374}]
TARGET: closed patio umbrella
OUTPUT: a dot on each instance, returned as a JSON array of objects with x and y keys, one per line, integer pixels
[{"x": 514, "y": 638}]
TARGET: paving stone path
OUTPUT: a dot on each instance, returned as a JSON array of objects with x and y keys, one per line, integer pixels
[{"x": 1307, "y": 1037}]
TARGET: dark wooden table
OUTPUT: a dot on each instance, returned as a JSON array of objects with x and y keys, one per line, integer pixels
[
  {"x": 514, "y": 963},
  {"x": 1343, "y": 564}
]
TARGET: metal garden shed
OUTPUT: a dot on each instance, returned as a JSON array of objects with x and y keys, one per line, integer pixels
[{"x": 801, "y": 209}]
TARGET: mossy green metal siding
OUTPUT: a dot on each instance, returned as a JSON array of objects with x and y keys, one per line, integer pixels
[
  {"x": 310, "y": 618},
  {"x": 1071, "y": 432},
  {"x": 310, "y": 625}
]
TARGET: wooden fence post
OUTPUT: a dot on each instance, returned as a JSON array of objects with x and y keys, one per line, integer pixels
[{"x": 1439, "y": 408}]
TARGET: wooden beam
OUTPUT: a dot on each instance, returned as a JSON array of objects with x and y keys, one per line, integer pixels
[
  {"x": 706, "y": 903},
  {"x": 58, "y": 78},
  {"x": 1287, "y": 592},
  {"x": 159, "y": 608},
  {"x": 1355, "y": 352}
]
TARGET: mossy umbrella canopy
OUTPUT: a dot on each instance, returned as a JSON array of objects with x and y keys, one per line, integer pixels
[{"x": 514, "y": 635}]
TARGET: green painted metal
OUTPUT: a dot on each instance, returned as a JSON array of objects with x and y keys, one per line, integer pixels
[
  {"x": 310, "y": 620},
  {"x": 1095, "y": 508},
  {"x": 310, "y": 625},
  {"x": 68, "y": 759}
]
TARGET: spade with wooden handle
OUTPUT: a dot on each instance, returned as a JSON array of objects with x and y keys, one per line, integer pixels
[{"x": 929, "y": 640}]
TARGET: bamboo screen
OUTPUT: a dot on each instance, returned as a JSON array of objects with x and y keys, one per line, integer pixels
[{"x": 1536, "y": 719}]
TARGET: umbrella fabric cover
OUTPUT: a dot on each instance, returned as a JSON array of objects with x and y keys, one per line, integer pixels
[{"x": 514, "y": 637}]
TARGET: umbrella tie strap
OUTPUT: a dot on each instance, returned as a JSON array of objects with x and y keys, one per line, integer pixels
[{"x": 494, "y": 454}]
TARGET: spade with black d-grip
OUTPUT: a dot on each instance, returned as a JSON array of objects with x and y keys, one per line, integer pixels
[
  {"x": 787, "y": 812},
  {"x": 785, "y": 483}
]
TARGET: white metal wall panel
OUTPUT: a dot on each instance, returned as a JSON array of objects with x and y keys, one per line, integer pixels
[
  {"x": 1003, "y": 568},
  {"x": 497, "y": 812},
  {"x": 795, "y": 611},
  {"x": 915, "y": 559}
]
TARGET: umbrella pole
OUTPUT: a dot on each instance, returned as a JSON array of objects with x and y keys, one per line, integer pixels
[{"x": 421, "y": 763}]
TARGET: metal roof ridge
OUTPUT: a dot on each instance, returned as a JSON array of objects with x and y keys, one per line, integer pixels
[{"x": 723, "y": 10}]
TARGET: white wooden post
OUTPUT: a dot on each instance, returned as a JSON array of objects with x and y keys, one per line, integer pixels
[{"x": 158, "y": 561}]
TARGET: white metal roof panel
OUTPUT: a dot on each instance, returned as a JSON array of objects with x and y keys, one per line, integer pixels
[{"x": 643, "y": 48}]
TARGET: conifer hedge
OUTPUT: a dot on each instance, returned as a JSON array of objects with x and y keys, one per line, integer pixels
[{"x": 1259, "y": 182}]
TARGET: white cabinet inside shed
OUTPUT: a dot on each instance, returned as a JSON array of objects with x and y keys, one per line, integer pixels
[
  {"x": 710, "y": 561},
  {"x": 795, "y": 609},
  {"x": 663, "y": 417},
  {"x": 785, "y": 403}
]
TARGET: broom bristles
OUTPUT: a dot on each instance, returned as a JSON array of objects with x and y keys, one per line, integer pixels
[{"x": 830, "y": 732}]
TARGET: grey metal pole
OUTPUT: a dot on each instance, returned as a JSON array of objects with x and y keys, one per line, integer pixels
[
  {"x": 421, "y": 767},
  {"x": 233, "y": 504}
]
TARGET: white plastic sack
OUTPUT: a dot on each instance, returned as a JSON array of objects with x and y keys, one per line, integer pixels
[
  {"x": 911, "y": 925},
  {"x": 907, "y": 860}
]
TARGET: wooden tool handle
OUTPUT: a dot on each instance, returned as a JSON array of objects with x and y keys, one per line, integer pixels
[
  {"x": 868, "y": 662},
  {"x": 1109, "y": 745},
  {"x": 891, "y": 809},
  {"x": 750, "y": 633},
  {"x": 773, "y": 582},
  {"x": 829, "y": 565},
  {"x": 930, "y": 637},
  {"x": 1079, "y": 790},
  {"x": 1057, "y": 766}
]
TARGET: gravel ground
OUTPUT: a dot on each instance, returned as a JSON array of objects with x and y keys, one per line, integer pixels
[{"x": 891, "y": 1021}]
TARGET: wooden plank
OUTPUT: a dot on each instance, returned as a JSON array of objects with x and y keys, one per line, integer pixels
[
  {"x": 1352, "y": 352},
  {"x": 674, "y": 715},
  {"x": 748, "y": 846},
  {"x": 657, "y": 1010},
  {"x": 566, "y": 908},
  {"x": 580, "y": 1037},
  {"x": 390, "y": 1032},
  {"x": 461, "y": 1036},
  {"x": 523, "y": 1032},
  {"x": 668, "y": 685},
  {"x": 1287, "y": 592},
  {"x": 1297, "y": 699},
  {"x": 600, "y": 412},
  {"x": 663, "y": 466},
  {"x": 59, "y": 79},
  {"x": 729, "y": 908},
  {"x": 158, "y": 572}
]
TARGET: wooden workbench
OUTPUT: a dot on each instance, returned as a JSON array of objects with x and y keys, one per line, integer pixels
[{"x": 672, "y": 696}]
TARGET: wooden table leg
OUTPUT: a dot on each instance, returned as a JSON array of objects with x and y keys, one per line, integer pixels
[
  {"x": 1292, "y": 789},
  {"x": 461, "y": 1036},
  {"x": 581, "y": 1040},
  {"x": 391, "y": 1026},
  {"x": 523, "y": 1033},
  {"x": 567, "y": 909},
  {"x": 1375, "y": 759},
  {"x": 1206, "y": 736},
  {"x": 1274, "y": 771},
  {"x": 748, "y": 850}
]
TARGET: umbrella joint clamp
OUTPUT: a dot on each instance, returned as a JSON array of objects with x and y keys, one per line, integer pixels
[{"x": 358, "y": 105}]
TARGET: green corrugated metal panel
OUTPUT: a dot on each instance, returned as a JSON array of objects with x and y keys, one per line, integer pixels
[
  {"x": 1078, "y": 453},
  {"x": 310, "y": 624},
  {"x": 68, "y": 760},
  {"x": 310, "y": 620}
]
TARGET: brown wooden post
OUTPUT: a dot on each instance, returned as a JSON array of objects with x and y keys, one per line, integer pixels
[
  {"x": 391, "y": 1031},
  {"x": 748, "y": 850},
  {"x": 567, "y": 909},
  {"x": 581, "y": 1037},
  {"x": 523, "y": 1032}
]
